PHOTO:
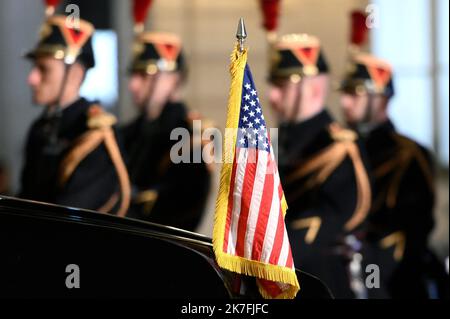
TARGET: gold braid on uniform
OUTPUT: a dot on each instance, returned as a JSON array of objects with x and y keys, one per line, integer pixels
[
  {"x": 147, "y": 198},
  {"x": 100, "y": 131},
  {"x": 398, "y": 165},
  {"x": 396, "y": 240},
  {"x": 408, "y": 151},
  {"x": 322, "y": 165}
]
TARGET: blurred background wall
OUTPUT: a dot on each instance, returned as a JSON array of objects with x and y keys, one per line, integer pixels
[{"x": 412, "y": 34}]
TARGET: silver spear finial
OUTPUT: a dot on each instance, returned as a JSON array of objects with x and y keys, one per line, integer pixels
[{"x": 241, "y": 34}]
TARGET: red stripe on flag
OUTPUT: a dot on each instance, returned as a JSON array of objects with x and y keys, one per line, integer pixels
[
  {"x": 271, "y": 287},
  {"x": 278, "y": 242},
  {"x": 280, "y": 191},
  {"x": 263, "y": 215},
  {"x": 279, "y": 235},
  {"x": 247, "y": 190},
  {"x": 289, "y": 261},
  {"x": 230, "y": 202}
]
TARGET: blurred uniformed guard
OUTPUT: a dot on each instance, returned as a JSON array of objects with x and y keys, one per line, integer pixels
[
  {"x": 72, "y": 157},
  {"x": 322, "y": 172},
  {"x": 164, "y": 192},
  {"x": 401, "y": 217}
]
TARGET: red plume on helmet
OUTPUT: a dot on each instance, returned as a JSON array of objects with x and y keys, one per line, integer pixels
[
  {"x": 50, "y": 6},
  {"x": 140, "y": 11},
  {"x": 271, "y": 11},
  {"x": 359, "y": 30}
]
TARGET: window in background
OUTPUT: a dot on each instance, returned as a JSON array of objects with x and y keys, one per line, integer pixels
[
  {"x": 404, "y": 37},
  {"x": 442, "y": 7},
  {"x": 102, "y": 81}
]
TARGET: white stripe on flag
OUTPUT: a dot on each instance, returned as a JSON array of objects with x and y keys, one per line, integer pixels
[
  {"x": 284, "y": 250},
  {"x": 272, "y": 223},
  {"x": 237, "y": 195},
  {"x": 257, "y": 194}
]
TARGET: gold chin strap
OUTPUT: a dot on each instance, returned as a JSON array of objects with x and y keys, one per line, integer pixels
[
  {"x": 321, "y": 166},
  {"x": 408, "y": 151},
  {"x": 100, "y": 131}
]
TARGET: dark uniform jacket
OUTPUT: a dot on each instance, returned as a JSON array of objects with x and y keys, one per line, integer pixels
[
  {"x": 165, "y": 192},
  {"x": 401, "y": 218},
  {"x": 328, "y": 194},
  {"x": 68, "y": 160}
]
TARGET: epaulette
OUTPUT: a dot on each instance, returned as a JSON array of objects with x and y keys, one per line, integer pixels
[
  {"x": 340, "y": 134},
  {"x": 405, "y": 143},
  {"x": 98, "y": 118}
]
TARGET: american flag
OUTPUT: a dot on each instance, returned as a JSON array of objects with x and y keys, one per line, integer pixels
[{"x": 250, "y": 233}]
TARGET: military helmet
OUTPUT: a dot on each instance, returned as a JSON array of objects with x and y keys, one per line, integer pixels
[
  {"x": 368, "y": 74},
  {"x": 297, "y": 54},
  {"x": 65, "y": 39},
  {"x": 157, "y": 52}
]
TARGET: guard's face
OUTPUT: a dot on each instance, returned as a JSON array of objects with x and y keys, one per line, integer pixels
[
  {"x": 153, "y": 91},
  {"x": 283, "y": 97},
  {"x": 354, "y": 107},
  {"x": 140, "y": 86},
  {"x": 45, "y": 80}
]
